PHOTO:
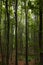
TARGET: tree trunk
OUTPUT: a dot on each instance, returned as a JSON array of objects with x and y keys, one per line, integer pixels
[
  {"x": 16, "y": 30},
  {"x": 8, "y": 26},
  {"x": 40, "y": 33},
  {"x": 26, "y": 34},
  {"x": 2, "y": 54}
]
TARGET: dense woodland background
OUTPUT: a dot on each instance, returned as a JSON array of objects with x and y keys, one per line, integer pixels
[{"x": 21, "y": 32}]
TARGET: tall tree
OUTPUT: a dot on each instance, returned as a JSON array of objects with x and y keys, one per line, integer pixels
[
  {"x": 40, "y": 32},
  {"x": 16, "y": 29},
  {"x": 26, "y": 34},
  {"x": 8, "y": 26},
  {"x": 3, "y": 63}
]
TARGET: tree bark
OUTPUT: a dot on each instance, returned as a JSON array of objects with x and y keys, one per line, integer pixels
[
  {"x": 2, "y": 54},
  {"x": 8, "y": 26},
  {"x": 26, "y": 34},
  {"x": 16, "y": 30},
  {"x": 40, "y": 33}
]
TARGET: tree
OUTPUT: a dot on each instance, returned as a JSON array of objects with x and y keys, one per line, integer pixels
[
  {"x": 16, "y": 29},
  {"x": 20, "y": 24},
  {"x": 8, "y": 25},
  {"x": 26, "y": 34},
  {"x": 40, "y": 32}
]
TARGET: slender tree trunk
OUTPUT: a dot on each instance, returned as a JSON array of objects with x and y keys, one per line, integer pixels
[
  {"x": 40, "y": 34},
  {"x": 0, "y": 34},
  {"x": 26, "y": 34},
  {"x": 16, "y": 30},
  {"x": 8, "y": 26}
]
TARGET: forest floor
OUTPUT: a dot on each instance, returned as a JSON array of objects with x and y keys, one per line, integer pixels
[
  {"x": 23, "y": 63},
  {"x": 20, "y": 62}
]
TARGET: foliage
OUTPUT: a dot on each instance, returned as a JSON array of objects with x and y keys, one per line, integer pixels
[{"x": 32, "y": 10}]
